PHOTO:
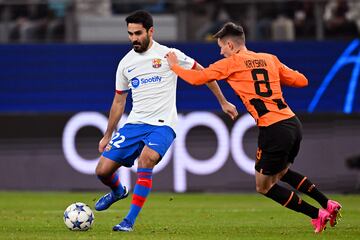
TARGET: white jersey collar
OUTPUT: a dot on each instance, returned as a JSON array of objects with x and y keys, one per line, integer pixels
[{"x": 153, "y": 46}]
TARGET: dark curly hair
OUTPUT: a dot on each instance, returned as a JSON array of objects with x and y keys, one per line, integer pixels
[{"x": 141, "y": 16}]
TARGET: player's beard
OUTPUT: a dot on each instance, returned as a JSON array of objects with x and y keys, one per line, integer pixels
[{"x": 141, "y": 47}]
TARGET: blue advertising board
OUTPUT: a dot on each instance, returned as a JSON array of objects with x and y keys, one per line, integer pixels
[{"x": 58, "y": 78}]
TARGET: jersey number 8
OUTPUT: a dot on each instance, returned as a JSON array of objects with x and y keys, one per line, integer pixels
[{"x": 258, "y": 103}]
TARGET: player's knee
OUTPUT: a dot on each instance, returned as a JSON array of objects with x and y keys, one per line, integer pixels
[
  {"x": 100, "y": 171},
  {"x": 147, "y": 162},
  {"x": 262, "y": 189},
  {"x": 148, "y": 159}
]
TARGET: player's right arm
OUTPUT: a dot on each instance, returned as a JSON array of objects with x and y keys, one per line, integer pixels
[
  {"x": 118, "y": 105},
  {"x": 116, "y": 111}
]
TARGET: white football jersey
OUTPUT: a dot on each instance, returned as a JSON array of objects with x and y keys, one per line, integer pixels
[{"x": 152, "y": 83}]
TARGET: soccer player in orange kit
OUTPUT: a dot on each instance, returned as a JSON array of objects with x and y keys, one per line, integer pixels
[{"x": 257, "y": 78}]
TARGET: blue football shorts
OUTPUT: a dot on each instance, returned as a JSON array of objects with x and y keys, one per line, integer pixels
[{"x": 127, "y": 144}]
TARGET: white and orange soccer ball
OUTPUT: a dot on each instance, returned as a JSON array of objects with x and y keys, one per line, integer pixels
[{"x": 78, "y": 217}]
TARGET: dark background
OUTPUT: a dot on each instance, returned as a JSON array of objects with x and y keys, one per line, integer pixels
[
  {"x": 62, "y": 78},
  {"x": 43, "y": 86}
]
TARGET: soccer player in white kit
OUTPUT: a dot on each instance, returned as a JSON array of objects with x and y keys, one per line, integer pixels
[{"x": 149, "y": 129}]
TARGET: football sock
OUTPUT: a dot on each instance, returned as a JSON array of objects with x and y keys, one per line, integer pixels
[
  {"x": 113, "y": 181},
  {"x": 141, "y": 191},
  {"x": 304, "y": 185},
  {"x": 291, "y": 200}
]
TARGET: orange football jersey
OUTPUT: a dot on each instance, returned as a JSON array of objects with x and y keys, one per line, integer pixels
[{"x": 256, "y": 78}]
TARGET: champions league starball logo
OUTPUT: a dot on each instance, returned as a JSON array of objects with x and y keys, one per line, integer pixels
[{"x": 351, "y": 55}]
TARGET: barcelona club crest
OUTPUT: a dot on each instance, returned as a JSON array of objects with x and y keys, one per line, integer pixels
[
  {"x": 156, "y": 63},
  {"x": 108, "y": 148}
]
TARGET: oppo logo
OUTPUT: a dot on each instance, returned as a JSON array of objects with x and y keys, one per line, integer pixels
[{"x": 229, "y": 143}]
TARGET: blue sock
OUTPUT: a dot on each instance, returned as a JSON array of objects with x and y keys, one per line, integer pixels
[{"x": 141, "y": 191}]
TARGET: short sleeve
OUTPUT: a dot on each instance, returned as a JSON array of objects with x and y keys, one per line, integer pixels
[
  {"x": 184, "y": 60},
  {"x": 122, "y": 83}
]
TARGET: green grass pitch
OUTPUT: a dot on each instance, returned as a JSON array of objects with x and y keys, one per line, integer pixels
[{"x": 38, "y": 215}]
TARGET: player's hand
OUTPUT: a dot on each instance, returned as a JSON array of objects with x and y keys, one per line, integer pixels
[
  {"x": 230, "y": 110},
  {"x": 103, "y": 143},
  {"x": 171, "y": 59}
]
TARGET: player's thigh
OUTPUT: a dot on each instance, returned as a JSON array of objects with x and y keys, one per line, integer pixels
[
  {"x": 126, "y": 145},
  {"x": 274, "y": 146},
  {"x": 160, "y": 139},
  {"x": 157, "y": 141},
  {"x": 106, "y": 166},
  {"x": 297, "y": 132},
  {"x": 148, "y": 158}
]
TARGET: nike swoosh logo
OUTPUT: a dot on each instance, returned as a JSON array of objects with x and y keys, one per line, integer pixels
[
  {"x": 153, "y": 144},
  {"x": 131, "y": 69}
]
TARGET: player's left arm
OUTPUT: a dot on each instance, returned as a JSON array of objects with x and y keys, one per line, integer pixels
[
  {"x": 226, "y": 106},
  {"x": 290, "y": 77}
]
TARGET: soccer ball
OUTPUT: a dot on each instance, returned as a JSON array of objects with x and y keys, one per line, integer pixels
[{"x": 78, "y": 216}]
